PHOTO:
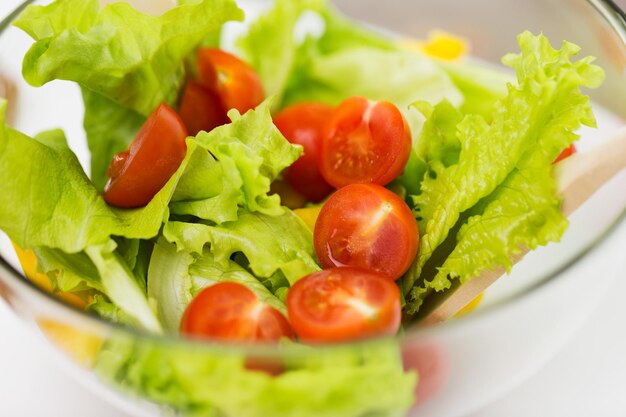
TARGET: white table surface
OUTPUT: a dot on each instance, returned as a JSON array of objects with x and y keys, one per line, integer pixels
[{"x": 587, "y": 378}]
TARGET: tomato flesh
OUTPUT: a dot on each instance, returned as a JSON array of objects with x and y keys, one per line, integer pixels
[
  {"x": 137, "y": 175},
  {"x": 201, "y": 109},
  {"x": 231, "y": 312},
  {"x": 342, "y": 304},
  {"x": 567, "y": 152},
  {"x": 367, "y": 142},
  {"x": 366, "y": 226},
  {"x": 235, "y": 82},
  {"x": 304, "y": 124}
]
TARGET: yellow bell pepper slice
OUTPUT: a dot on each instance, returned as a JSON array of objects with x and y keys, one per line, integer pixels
[
  {"x": 28, "y": 260},
  {"x": 309, "y": 216},
  {"x": 79, "y": 345},
  {"x": 471, "y": 306},
  {"x": 440, "y": 45}
]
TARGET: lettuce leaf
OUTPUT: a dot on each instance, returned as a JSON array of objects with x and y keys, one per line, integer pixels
[
  {"x": 269, "y": 45},
  {"x": 132, "y": 58},
  {"x": 351, "y": 382},
  {"x": 499, "y": 166},
  {"x": 246, "y": 156},
  {"x": 123, "y": 287},
  {"x": 340, "y": 74},
  {"x": 481, "y": 85},
  {"x": 255, "y": 236}
]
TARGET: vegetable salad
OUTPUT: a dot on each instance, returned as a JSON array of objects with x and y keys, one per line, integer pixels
[{"x": 316, "y": 189}]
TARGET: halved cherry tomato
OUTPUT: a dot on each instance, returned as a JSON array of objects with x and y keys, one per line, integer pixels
[
  {"x": 567, "y": 152},
  {"x": 234, "y": 81},
  {"x": 344, "y": 304},
  {"x": 230, "y": 311},
  {"x": 304, "y": 124},
  {"x": 367, "y": 226},
  {"x": 367, "y": 142},
  {"x": 201, "y": 109},
  {"x": 137, "y": 175}
]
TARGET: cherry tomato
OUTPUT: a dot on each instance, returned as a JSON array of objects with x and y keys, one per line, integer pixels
[
  {"x": 230, "y": 311},
  {"x": 137, "y": 175},
  {"x": 367, "y": 142},
  {"x": 201, "y": 109},
  {"x": 366, "y": 226},
  {"x": 342, "y": 304},
  {"x": 567, "y": 152},
  {"x": 234, "y": 81},
  {"x": 304, "y": 124}
]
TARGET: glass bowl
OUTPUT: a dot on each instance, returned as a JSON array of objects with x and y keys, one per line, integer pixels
[{"x": 462, "y": 364}]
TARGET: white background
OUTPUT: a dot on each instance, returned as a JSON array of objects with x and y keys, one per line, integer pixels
[{"x": 587, "y": 378}]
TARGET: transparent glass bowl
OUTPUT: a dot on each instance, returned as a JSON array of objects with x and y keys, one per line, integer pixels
[{"x": 463, "y": 363}]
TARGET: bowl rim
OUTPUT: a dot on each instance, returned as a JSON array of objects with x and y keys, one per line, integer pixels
[{"x": 614, "y": 16}]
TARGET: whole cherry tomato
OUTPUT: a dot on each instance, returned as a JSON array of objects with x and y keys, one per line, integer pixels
[
  {"x": 366, "y": 226},
  {"x": 235, "y": 82},
  {"x": 343, "y": 304},
  {"x": 231, "y": 312},
  {"x": 367, "y": 142},
  {"x": 304, "y": 124},
  {"x": 201, "y": 109},
  {"x": 137, "y": 175}
]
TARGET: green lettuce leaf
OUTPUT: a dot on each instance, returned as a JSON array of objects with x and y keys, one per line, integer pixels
[
  {"x": 123, "y": 287},
  {"x": 132, "y": 58},
  {"x": 269, "y": 45},
  {"x": 481, "y": 85},
  {"x": 335, "y": 76},
  {"x": 498, "y": 164},
  {"x": 355, "y": 382},
  {"x": 254, "y": 235},
  {"x": 251, "y": 153}
]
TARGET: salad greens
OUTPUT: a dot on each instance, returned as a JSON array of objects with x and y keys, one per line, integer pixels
[
  {"x": 354, "y": 382},
  {"x": 329, "y": 68},
  {"x": 479, "y": 180},
  {"x": 499, "y": 185}
]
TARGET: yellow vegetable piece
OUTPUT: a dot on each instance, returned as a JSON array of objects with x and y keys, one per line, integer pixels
[
  {"x": 80, "y": 346},
  {"x": 28, "y": 260},
  {"x": 441, "y": 45},
  {"x": 471, "y": 306},
  {"x": 309, "y": 216}
]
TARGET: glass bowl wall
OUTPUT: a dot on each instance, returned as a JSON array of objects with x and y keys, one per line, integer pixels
[{"x": 462, "y": 364}]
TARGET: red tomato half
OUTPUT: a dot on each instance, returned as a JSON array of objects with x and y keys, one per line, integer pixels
[
  {"x": 366, "y": 226},
  {"x": 304, "y": 124},
  {"x": 230, "y": 311},
  {"x": 137, "y": 175},
  {"x": 367, "y": 142},
  {"x": 201, "y": 109},
  {"x": 234, "y": 81},
  {"x": 343, "y": 304},
  {"x": 567, "y": 152}
]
